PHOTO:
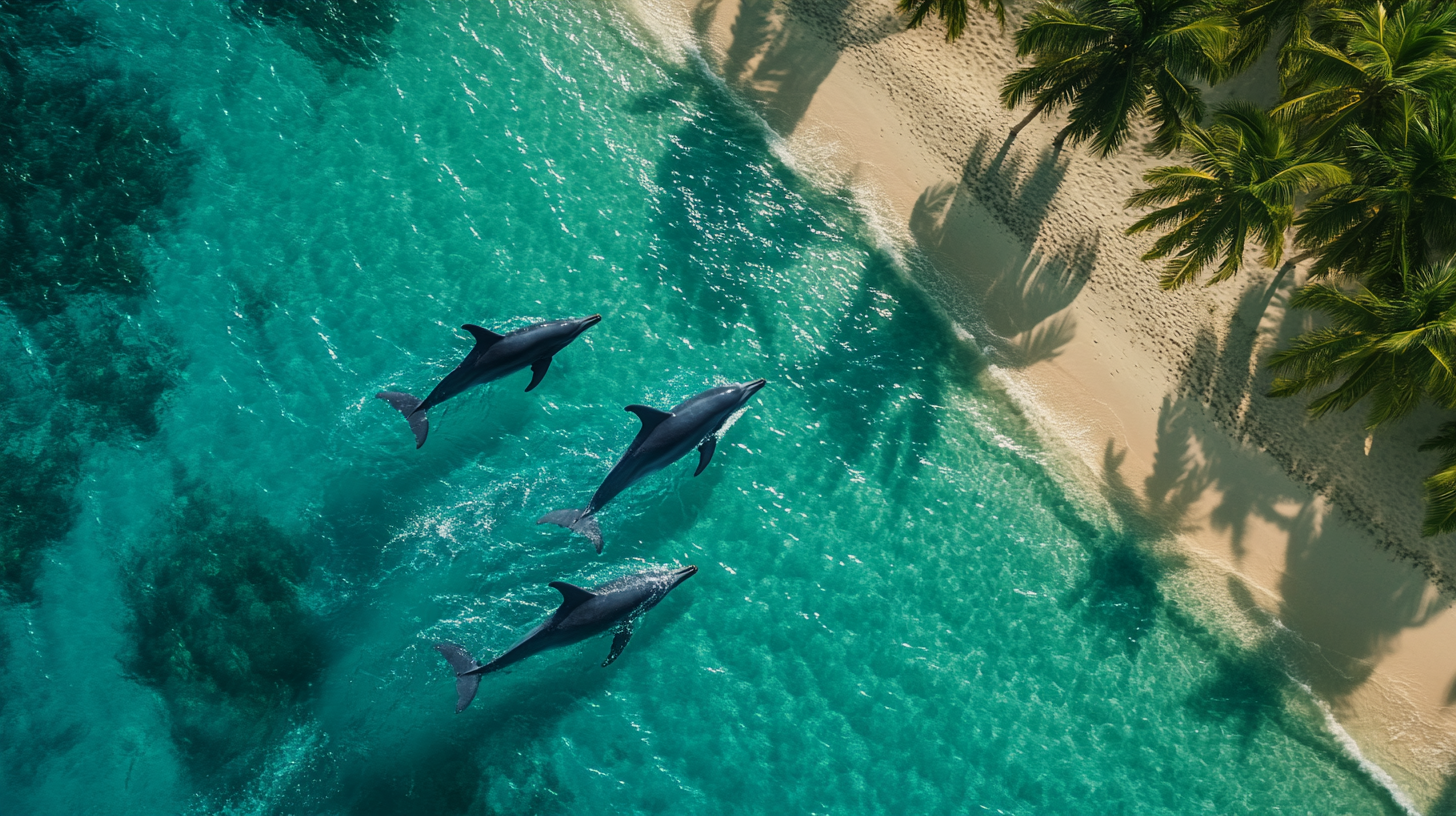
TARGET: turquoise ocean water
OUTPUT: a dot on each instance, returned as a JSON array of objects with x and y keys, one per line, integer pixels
[{"x": 227, "y": 225}]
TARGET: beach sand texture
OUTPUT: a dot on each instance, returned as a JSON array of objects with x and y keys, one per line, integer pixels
[{"x": 1306, "y": 531}]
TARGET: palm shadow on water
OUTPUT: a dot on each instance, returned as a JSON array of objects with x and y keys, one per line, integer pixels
[
  {"x": 892, "y": 366},
  {"x": 1196, "y": 463},
  {"x": 880, "y": 405},
  {"x": 1250, "y": 689},
  {"x": 719, "y": 232},
  {"x": 1121, "y": 590},
  {"x": 1247, "y": 688}
]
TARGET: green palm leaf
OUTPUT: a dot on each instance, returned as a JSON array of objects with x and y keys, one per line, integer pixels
[
  {"x": 1394, "y": 345},
  {"x": 1441, "y": 486},
  {"x": 1398, "y": 205},
  {"x": 1260, "y": 21},
  {"x": 1112, "y": 61},
  {"x": 1377, "y": 64},
  {"x": 1245, "y": 173}
]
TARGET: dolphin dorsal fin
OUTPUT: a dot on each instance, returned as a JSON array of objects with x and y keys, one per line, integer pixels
[
  {"x": 651, "y": 417},
  {"x": 572, "y": 595},
  {"x": 484, "y": 338}
]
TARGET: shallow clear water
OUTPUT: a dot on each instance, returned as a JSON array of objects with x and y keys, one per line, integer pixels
[{"x": 228, "y": 229}]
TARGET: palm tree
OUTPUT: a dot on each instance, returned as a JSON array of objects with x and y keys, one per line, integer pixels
[
  {"x": 1245, "y": 174},
  {"x": 1388, "y": 62},
  {"x": 1394, "y": 343},
  {"x": 1111, "y": 60},
  {"x": 1441, "y": 485},
  {"x": 1259, "y": 21},
  {"x": 954, "y": 13},
  {"x": 1400, "y": 203}
]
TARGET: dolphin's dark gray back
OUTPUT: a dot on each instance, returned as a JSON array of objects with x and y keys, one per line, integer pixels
[
  {"x": 494, "y": 356},
  {"x": 582, "y": 614},
  {"x": 665, "y": 437}
]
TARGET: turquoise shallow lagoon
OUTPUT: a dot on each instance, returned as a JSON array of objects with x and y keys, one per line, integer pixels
[{"x": 229, "y": 224}]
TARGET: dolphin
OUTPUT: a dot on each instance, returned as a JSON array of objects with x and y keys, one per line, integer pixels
[
  {"x": 666, "y": 436},
  {"x": 583, "y": 612},
  {"x": 494, "y": 356}
]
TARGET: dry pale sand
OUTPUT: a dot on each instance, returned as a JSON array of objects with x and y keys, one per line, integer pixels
[{"x": 1157, "y": 398}]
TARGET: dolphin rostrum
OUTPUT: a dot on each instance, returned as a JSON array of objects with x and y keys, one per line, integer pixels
[
  {"x": 494, "y": 356},
  {"x": 583, "y": 612},
  {"x": 666, "y": 436}
]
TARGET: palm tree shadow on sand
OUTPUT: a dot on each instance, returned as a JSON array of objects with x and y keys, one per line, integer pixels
[
  {"x": 1021, "y": 301},
  {"x": 777, "y": 61},
  {"x": 1353, "y": 611},
  {"x": 1248, "y": 687},
  {"x": 1334, "y": 621},
  {"x": 1015, "y": 186}
]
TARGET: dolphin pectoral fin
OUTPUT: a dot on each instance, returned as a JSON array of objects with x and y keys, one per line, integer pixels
[
  {"x": 467, "y": 678},
  {"x": 618, "y": 644},
  {"x": 705, "y": 453},
  {"x": 408, "y": 405},
  {"x": 578, "y": 521},
  {"x": 538, "y": 371},
  {"x": 484, "y": 338}
]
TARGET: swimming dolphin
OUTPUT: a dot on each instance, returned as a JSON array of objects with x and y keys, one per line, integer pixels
[
  {"x": 666, "y": 436},
  {"x": 583, "y": 613},
  {"x": 494, "y": 356}
]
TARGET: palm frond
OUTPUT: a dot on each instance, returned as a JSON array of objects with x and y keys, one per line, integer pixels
[
  {"x": 1393, "y": 344},
  {"x": 954, "y": 13},
  {"x": 1301, "y": 178},
  {"x": 1112, "y": 61},
  {"x": 1440, "y": 487}
]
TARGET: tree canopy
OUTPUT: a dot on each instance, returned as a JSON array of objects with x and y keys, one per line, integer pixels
[
  {"x": 1241, "y": 185},
  {"x": 1110, "y": 61}
]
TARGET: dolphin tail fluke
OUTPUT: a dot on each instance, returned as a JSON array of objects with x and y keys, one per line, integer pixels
[
  {"x": 465, "y": 686},
  {"x": 419, "y": 422},
  {"x": 467, "y": 678},
  {"x": 578, "y": 520}
]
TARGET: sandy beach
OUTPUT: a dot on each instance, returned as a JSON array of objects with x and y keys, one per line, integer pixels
[{"x": 1303, "y": 535}]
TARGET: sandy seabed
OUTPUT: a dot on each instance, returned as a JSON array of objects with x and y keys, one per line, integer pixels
[{"x": 1307, "y": 530}]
